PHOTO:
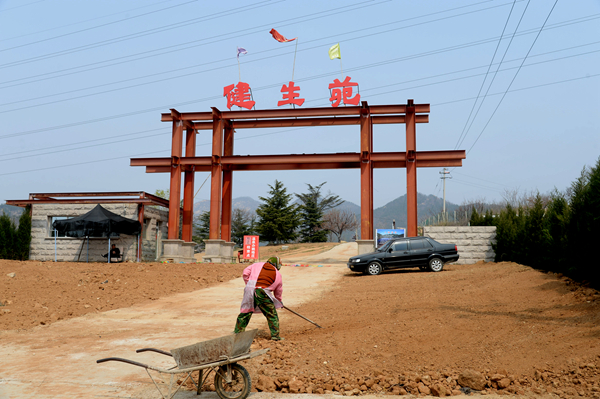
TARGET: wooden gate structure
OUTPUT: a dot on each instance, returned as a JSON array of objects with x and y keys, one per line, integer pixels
[{"x": 223, "y": 162}]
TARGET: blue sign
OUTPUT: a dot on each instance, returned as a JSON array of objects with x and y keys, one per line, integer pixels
[{"x": 384, "y": 235}]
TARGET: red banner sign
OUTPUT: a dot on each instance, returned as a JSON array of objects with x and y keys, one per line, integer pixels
[{"x": 250, "y": 247}]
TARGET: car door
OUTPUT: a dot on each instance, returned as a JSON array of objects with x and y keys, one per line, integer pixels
[
  {"x": 420, "y": 249},
  {"x": 397, "y": 255}
]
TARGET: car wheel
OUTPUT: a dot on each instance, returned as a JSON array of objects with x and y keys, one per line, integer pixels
[
  {"x": 374, "y": 269},
  {"x": 436, "y": 265}
]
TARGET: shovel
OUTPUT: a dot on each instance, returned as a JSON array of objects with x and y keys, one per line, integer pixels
[{"x": 299, "y": 315}]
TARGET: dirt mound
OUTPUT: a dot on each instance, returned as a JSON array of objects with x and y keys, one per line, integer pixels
[
  {"x": 39, "y": 293},
  {"x": 412, "y": 332}
]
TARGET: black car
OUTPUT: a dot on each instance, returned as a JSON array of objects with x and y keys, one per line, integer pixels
[{"x": 422, "y": 252}]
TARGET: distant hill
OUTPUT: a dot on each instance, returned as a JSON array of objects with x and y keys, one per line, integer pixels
[
  {"x": 427, "y": 205},
  {"x": 245, "y": 203}
]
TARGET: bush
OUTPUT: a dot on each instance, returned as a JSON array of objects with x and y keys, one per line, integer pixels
[
  {"x": 557, "y": 236},
  {"x": 14, "y": 242}
]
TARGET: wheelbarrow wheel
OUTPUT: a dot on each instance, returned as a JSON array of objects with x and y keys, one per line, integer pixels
[{"x": 240, "y": 383}]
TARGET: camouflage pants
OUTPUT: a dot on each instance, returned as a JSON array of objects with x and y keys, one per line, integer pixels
[{"x": 264, "y": 303}]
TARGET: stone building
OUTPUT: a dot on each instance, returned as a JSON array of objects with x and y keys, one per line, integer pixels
[{"x": 148, "y": 209}]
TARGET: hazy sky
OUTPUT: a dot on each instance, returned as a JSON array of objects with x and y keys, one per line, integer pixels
[{"x": 83, "y": 83}]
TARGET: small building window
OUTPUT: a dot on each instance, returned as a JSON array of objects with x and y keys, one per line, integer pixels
[{"x": 51, "y": 220}]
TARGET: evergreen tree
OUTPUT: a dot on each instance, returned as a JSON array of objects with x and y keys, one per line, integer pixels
[
  {"x": 312, "y": 210},
  {"x": 201, "y": 228},
  {"x": 557, "y": 217},
  {"x": 7, "y": 237},
  {"x": 278, "y": 219},
  {"x": 475, "y": 219},
  {"x": 241, "y": 225},
  {"x": 23, "y": 235},
  {"x": 536, "y": 238}
]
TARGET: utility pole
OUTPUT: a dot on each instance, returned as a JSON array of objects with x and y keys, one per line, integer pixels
[{"x": 445, "y": 176}]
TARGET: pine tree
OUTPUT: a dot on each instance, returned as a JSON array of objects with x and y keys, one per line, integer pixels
[
  {"x": 7, "y": 237},
  {"x": 278, "y": 219},
  {"x": 241, "y": 225},
  {"x": 23, "y": 235},
  {"x": 201, "y": 228},
  {"x": 312, "y": 210}
]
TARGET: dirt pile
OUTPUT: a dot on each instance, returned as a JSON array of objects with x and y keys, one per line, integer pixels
[
  {"x": 38, "y": 293},
  {"x": 516, "y": 329}
]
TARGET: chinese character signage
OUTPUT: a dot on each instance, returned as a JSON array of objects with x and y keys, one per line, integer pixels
[
  {"x": 250, "y": 247},
  {"x": 238, "y": 95},
  {"x": 290, "y": 96},
  {"x": 341, "y": 93}
]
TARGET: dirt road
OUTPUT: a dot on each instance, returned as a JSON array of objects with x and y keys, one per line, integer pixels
[{"x": 58, "y": 360}]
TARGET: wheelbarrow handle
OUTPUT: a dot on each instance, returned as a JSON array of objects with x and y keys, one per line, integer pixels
[
  {"x": 153, "y": 350},
  {"x": 119, "y": 359}
]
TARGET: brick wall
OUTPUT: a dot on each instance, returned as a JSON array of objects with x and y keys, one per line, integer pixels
[
  {"x": 474, "y": 243},
  {"x": 71, "y": 249}
]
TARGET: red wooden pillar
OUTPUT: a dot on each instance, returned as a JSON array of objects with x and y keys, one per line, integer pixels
[
  {"x": 366, "y": 174},
  {"x": 175, "y": 186},
  {"x": 411, "y": 170},
  {"x": 188, "y": 186},
  {"x": 227, "y": 185},
  {"x": 216, "y": 177},
  {"x": 141, "y": 235}
]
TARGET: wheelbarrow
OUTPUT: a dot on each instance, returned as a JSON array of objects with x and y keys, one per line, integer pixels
[{"x": 219, "y": 355}]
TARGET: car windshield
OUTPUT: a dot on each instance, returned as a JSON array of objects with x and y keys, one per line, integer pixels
[{"x": 385, "y": 246}]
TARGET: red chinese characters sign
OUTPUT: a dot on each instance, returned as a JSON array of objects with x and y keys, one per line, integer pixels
[
  {"x": 250, "y": 247},
  {"x": 238, "y": 95},
  {"x": 342, "y": 92},
  {"x": 289, "y": 96}
]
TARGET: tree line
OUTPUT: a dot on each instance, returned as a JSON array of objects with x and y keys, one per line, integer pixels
[
  {"x": 557, "y": 232},
  {"x": 280, "y": 220},
  {"x": 14, "y": 241}
]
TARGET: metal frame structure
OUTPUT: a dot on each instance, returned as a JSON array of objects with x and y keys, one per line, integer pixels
[{"x": 222, "y": 163}]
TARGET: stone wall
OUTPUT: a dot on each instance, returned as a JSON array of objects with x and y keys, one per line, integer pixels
[
  {"x": 474, "y": 243},
  {"x": 73, "y": 249}
]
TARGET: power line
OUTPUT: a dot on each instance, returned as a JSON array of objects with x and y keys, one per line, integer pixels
[
  {"x": 82, "y": 22},
  {"x": 265, "y": 134},
  {"x": 258, "y": 29},
  {"x": 221, "y": 14},
  {"x": 94, "y": 27},
  {"x": 513, "y": 79},
  {"x": 218, "y": 68},
  {"x": 211, "y": 98},
  {"x": 364, "y": 90},
  {"x": 494, "y": 77},
  {"x": 488, "y": 70},
  {"x": 22, "y": 5}
]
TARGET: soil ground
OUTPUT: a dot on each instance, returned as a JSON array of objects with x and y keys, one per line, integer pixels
[{"x": 525, "y": 332}]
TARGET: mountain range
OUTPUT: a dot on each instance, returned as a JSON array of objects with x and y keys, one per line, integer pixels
[{"x": 427, "y": 205}]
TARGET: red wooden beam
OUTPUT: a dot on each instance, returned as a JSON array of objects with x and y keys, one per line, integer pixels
[
  {"x": 216, "y": 179},
  {"x": 175, "y": 184},
  {"x": 297, "y": 112},
  {"x": 411, "y": 171},
  {"x": 310, "y": 122},
  {"x": 188, "y": 186}
]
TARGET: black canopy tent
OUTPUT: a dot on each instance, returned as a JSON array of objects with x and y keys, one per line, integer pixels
[{"x": 99, "y": 222}]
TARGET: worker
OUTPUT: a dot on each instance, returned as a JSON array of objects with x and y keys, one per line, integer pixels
[{"x": 263, "y": 293}]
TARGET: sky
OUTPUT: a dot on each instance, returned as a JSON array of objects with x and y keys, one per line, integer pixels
[{"x": 513, "y": 83}]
